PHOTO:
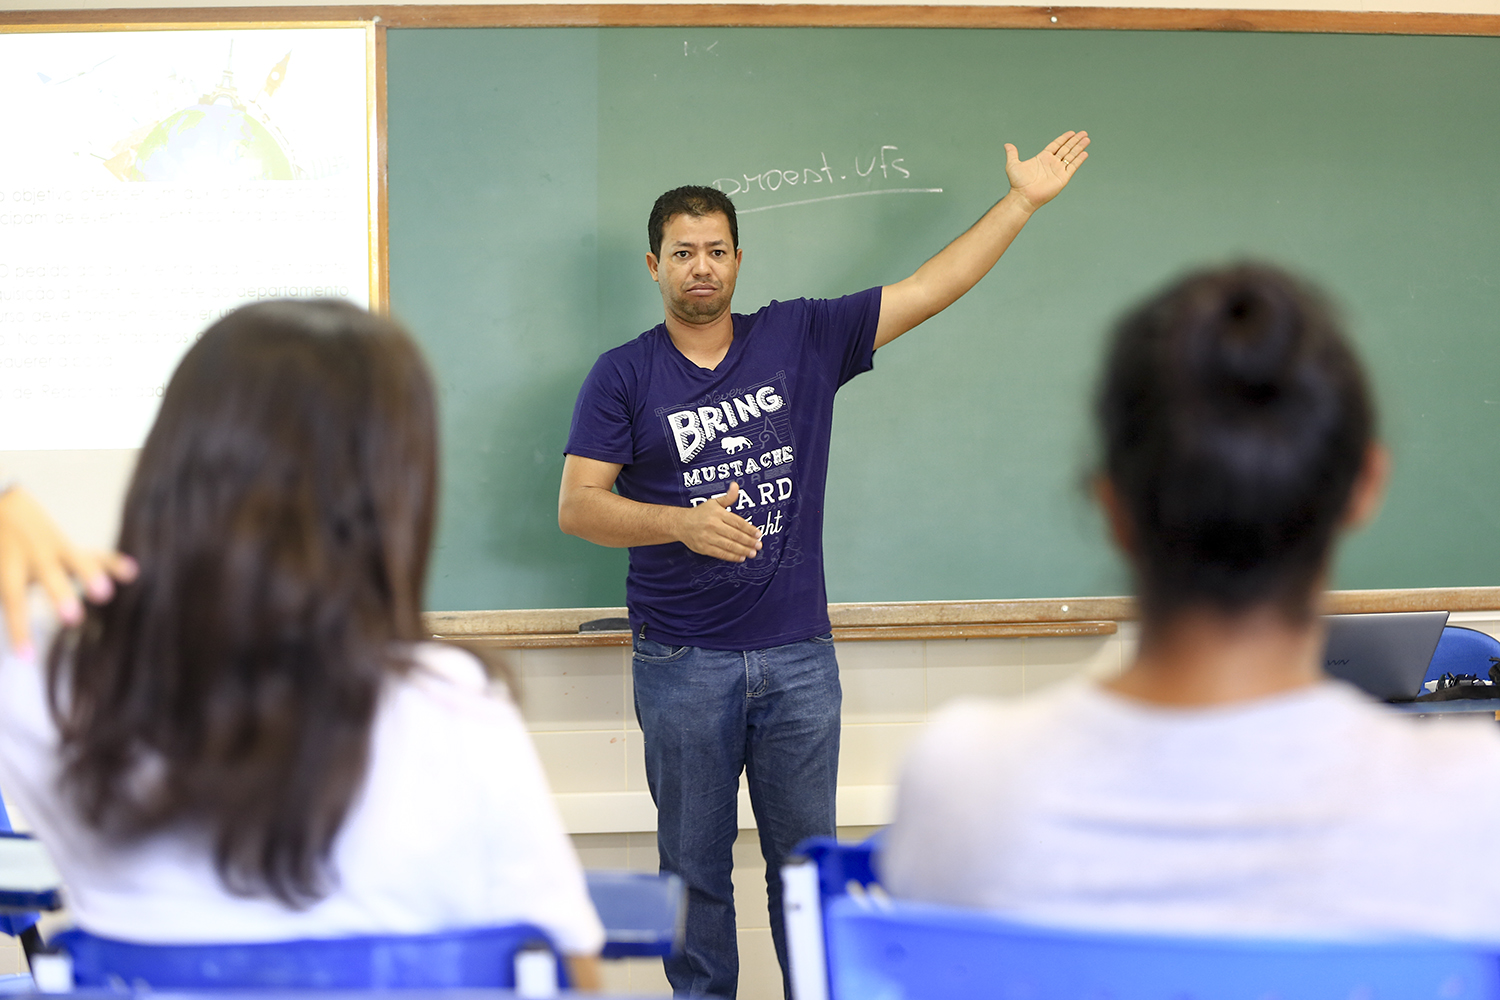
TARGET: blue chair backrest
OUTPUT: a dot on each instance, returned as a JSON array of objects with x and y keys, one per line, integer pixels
[
  {"x": 819, "y": 870},
  {"x": 479, "y": 958},
  {"x": 1463, "y": 651},
  {"x": 913, "y": 951},
  {"x": 840, "y": 864},
  {"x": 12, "y": 923},
  {"x": 643, "y": 914}
]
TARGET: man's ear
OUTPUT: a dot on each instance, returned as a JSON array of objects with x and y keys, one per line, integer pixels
[
  {"x": 1120, "y": 528},
  {"x": 651, "y": 264},
  {"x": 1369, "y": 486}
]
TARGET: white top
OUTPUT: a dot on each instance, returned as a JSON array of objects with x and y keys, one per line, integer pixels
[
  {"x": 454, "y": 828},
  {"x": 1312, "y": 813}
]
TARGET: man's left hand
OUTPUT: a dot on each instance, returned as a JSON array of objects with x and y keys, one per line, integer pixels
[
  {"x": 955, "y": 269},
  {"x": 1038, "y": 180}
]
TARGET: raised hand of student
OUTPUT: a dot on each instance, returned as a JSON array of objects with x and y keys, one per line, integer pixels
[
  {"x": 711, "y": 530},
  {"x": 34, "y": 550},
  {"x": 1038, "y": 180}
]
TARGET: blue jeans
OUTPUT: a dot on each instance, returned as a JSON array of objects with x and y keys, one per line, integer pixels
[{"x": 707, "y": 715}]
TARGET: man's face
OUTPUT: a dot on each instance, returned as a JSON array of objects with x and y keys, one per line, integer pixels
[{"x": 697, "y": 268}]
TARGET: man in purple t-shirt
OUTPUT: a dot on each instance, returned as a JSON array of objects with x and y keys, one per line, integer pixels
[{"x": 702, "y": 445}]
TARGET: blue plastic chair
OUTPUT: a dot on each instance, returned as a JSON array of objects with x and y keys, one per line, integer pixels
[
  {"x": 642, "y": 914},
  {"x": 818, "y": 872},
  {"x": 18, "y": 912},
  {"x": 18, "y": 906},
  {"x": 479, "y": 958},
  {"x": 866, "y": 945},
  {"x": 1463, "y": 651},
  {"x": 915, "y": 952}
]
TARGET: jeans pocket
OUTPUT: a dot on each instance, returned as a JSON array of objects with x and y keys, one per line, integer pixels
[
  {"x": 651, "y": 651},
  {"x": 826, "y": 638}
]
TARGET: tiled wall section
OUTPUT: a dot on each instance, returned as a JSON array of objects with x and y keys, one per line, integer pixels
[{"x": 579, "y": 705}]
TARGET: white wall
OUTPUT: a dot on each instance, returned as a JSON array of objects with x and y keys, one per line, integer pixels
[{"x": 82, "y": 489}]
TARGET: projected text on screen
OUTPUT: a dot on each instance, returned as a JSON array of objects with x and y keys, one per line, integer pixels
[{"x": 150, "y": 181}]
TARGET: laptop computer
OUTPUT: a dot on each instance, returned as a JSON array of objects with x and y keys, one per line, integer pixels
[{"x": 1385, "y": 655}]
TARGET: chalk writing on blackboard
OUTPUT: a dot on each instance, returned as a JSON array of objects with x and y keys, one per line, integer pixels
[{"x": 883, "y": 166}]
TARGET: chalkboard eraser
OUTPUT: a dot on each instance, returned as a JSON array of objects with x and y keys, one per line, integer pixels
[{"x": 606, "y": 625}]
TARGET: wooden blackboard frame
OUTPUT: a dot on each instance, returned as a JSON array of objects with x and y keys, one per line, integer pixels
[
  {"x": 916, "y": 620},
  {"x": 901, "y": 620},
  {"x": 800, "y": 16}
]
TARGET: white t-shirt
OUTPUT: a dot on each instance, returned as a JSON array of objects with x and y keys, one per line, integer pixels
[
  {"x": 454, "y": 828},
  {"x": 1311, "y": 813}
]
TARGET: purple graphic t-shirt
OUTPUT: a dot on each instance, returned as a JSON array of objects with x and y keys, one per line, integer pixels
[{"x": 762, "y": 418}]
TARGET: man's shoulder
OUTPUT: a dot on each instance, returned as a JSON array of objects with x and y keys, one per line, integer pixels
[
  {"x": 813, "y": 304},
  {"x": 784, "y": 309},
  {"x": 636, "y": 347},
  {"x": 625, "y": 365},
  {"x": 806, "y": 313}
]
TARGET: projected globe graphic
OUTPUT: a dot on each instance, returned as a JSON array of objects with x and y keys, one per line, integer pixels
[{"x": 215, "y": 142}]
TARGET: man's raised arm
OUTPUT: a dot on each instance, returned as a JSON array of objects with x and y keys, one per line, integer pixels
[
  {"x": 937, "y": 284},
  {"x": 588, "y": 507}
]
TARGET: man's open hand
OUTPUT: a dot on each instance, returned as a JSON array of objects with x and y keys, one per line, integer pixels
[
  {"x": 1039, "y": 179},
  {"x": 34, "y": 550},
  {"x": 709, "y": 529}
]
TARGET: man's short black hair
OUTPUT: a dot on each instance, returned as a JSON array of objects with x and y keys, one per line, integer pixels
[{"x": 692, "y": 200}]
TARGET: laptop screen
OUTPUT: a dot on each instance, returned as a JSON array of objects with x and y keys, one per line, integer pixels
[{"x": 1385, "y": 655}]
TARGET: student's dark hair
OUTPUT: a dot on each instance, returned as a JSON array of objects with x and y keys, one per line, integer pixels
[
  {"x": 692, "y": 200},
  {"x": 281, "y": 514},
  {"x": 1235, "y": 420}
]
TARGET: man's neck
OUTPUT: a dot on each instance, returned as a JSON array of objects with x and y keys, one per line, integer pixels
[
  {"x": 1202, "y": 659},
  {"x": 704, "y": 345}
]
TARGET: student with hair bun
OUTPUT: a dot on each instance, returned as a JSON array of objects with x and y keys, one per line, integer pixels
[
  {"x": 253, "y": 741},
  {"x": 1221, "y": 784}
]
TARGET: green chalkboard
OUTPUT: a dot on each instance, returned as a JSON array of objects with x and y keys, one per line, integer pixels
[{"x": 523, "y": 163}]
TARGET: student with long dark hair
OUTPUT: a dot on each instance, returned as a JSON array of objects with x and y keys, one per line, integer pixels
[
  {"x": 1221, "y": 783},
  {"x": 253, "y": 741}
]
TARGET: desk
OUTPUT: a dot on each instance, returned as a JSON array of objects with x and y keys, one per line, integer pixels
[{"x": 1465, "y": 706}]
